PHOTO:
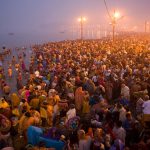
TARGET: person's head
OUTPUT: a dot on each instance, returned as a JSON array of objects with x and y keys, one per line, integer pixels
[
  {"x": 123, "y": 85},
  {"x": 32, "y": 109},
  {"x": 119, "y": 124},
  {"x": 98, "y": 133},
  {"x": 3, "y": 100},
  {"x": 23, "y": 100},
  {"x": 62, "y": 137},
  {"x": 53, "y": 92},
  {"x": 81, "y": 134},
  {"x": 129, "y": 116},
  {"x": 27, "y": 114},
  {"x": 90, "y": 130},
  {"x": 23, "y": 111},
  {"x": 146, "y": 97},
  {"x": 107, "y": 137},
  {"x": 119, "y": 106},
  {"x": 72, "y": 106}
]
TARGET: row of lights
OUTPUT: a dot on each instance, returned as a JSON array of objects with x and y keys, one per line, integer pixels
[{"x": 116, "y": 15}]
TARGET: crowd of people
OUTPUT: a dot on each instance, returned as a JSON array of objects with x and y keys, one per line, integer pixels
[{"x": 86, "y": 94}]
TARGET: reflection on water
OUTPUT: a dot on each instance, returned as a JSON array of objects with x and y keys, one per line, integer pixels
[{"x": 18, "y": 40}]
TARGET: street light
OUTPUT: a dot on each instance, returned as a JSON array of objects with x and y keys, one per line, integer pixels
[
  {"x": 81, "y": 20},
  {"x": 115, "y": 17}
]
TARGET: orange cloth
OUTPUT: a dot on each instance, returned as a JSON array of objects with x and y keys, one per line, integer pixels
[
  {"x": 79, "y": 98},
  {"x": 15, "y": 100},
  {"x": 25, "y": 122},
  {"x": 34, "y": 103},
  {"x": 50, "y": 110}
]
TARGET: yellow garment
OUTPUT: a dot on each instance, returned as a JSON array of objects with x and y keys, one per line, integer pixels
[
  {"x": 50, "y": 115},
  {"x": 20, "y": 128},
  {"x": 43, "y": 113},
  {"x": 34, "y": 103},
  {"x": 15, "y": 100},
  {"x": 49, "y": 110},
  {"x": 16, "y": 112},
  {"x": 56, "y": 98},
  {"x": 28, "y": 122},
  {"x": 25, "y": 105},
  {"x": 3, "y": 104},
  {"x": 37, "y": 117},
  {"x": 25, "y": 122},
  {"x": 42, "y": 98},
  {"x": 79, "y": 98},
  {"x": 86, "y": 107},
  {"x": 1, "y": 76},
  {"x": 23, "y": 93},
  {"x": 31, "y": 88}
]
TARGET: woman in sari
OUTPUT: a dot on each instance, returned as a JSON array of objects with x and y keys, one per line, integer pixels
[
  {"x": 25, "y": 121},
  {"x": 50, "y": 110},
  {"x": 84, "y": 140},
  {"x": 15, "y": 100},
  {"x": 86, "y": 106},
  {"x": 10, "y": 72},
  {"x": 79, "y": 98}
]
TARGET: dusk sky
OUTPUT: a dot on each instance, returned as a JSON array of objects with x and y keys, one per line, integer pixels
[{"x": 44, "y": 20}]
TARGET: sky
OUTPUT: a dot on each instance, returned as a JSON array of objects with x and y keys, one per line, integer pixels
[{"x": 36, "y": 21}]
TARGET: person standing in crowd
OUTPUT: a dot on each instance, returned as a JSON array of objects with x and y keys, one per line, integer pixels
[
  {"x": 125, "y": 91},
  {"x": 119, "y": 132},
  {"x": 100, "y": 81}
]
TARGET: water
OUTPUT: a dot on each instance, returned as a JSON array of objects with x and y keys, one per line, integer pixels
[
  {"x": 19, "y": 40},
  {"x": 7, "y": 59}
]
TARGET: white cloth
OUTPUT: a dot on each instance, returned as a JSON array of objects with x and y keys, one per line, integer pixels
[
  {"x": 71, "y": 113},
  {"x": 51, "y": 91},
  {"x": 122, "y": 115},
  {"x": 94, "y": 79},
  {"x": 37, "y": 73},
  {"x": 125, "y": 91},
  {"x": 120, "y": 133},
  {"x": 146, "y": 107}
]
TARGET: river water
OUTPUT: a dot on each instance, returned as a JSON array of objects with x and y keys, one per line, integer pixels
[{"x": 12, "y": 82}]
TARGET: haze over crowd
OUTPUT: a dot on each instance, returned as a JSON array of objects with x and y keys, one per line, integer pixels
[{"x": 36, "y": 21}]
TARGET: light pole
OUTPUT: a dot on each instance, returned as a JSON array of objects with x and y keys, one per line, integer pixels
[
  {"x": 81, "y": 20},
  {"x": 146, "y": 26},
  {"x": 116, "y": 16},
  {"x": 113, "y": 28}
]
